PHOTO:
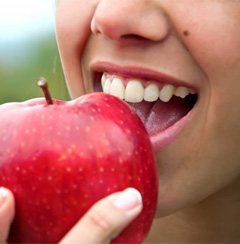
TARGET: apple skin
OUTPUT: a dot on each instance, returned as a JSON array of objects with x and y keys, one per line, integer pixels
[{"x": 60, "y": 159}]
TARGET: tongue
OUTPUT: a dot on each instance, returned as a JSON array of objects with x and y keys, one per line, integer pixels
[{"x": 159, "y": 115}]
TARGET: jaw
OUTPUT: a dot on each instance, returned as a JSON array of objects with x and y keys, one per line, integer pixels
[{"x": 175, "y": 129}]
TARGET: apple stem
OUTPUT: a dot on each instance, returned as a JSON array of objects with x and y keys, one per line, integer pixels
[{"x": 42, "y": 83}]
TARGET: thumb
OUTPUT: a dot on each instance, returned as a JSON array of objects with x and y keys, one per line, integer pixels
[
  {"x": 107, "y": 218},
  {"x": 6, "y": 212}
]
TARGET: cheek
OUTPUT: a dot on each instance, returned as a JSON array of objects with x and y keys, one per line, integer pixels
[
  {"x": 213, "y": 34},
  {"x": 86, "y": 56},
  {"x": 73, "y": 19}
]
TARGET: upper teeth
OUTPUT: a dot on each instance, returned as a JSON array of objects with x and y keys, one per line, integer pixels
[{"x": 134, "y": 91}]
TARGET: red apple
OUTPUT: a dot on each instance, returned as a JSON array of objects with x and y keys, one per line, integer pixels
[{"x": 59, "y": 159}]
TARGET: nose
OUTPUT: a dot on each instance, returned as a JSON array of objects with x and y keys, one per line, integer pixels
[{"x": 124, "y": 19}]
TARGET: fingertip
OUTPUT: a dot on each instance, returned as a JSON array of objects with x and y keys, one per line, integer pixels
[
  {"x": 128, "y": 199},
  {"x": 7, "y": 211},
  {"x": 6, "y": 201},
  {"x": 3, "y": 195},
  {"x": 107, "y": 218}
]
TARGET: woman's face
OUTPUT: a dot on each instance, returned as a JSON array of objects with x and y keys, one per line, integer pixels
[{"x": 159, "y": 45}]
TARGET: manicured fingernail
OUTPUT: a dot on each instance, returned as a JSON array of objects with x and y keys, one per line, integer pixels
[
  {"x": 128, "y": 199},
  {"x": 3, "y": 195}
]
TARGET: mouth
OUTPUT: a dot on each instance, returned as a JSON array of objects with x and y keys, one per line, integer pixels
[{"x": 164, "y": 104}]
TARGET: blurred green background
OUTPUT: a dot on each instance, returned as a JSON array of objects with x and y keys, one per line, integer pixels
[{"x": 28, "y": 50}]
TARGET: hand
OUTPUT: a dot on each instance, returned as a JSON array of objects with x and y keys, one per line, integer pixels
[
  {"x": 7, "y": 210},
  {"x": 102, "y": 223},
  {"x": 106, "y": 219}
]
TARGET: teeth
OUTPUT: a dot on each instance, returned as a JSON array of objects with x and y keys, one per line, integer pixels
[
  {"x": 151, "y": 93},
  {"x": 117, "y": 88},
  {"x": 181, "y": 92},
  {"x": 166, "y": 93},
  {"x": 192, "y": 91},
  {"x": 103, "y": 80},
  {"x": 106, "y": 85},
  {"x": 134, "y": 91}
]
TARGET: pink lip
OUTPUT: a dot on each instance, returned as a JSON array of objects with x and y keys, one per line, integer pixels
[
  {"x": 164, "y": 137},
  {"x": 138, "y": 72}
]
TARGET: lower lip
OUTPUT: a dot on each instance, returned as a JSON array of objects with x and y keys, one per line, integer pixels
[{"x": 161, "y": 139}]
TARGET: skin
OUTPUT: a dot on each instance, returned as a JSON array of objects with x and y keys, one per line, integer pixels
[
  {"x": 195, "y": 41},
  {"x": 7, "y": 210},
  {"x": 106, "y": 219}
]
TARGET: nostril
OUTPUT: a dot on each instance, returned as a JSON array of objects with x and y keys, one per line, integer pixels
[{"x": 132, "y": 37}]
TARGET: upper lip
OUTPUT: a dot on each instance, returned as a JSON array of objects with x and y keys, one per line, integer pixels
[{"x": 138, "y": 73}]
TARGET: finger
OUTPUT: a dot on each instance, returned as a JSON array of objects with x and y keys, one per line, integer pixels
[
  {"x": 107, "y": 218},
  {"x": 7, "y": 210}
]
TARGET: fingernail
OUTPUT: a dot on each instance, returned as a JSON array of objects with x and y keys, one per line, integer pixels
[
  {"x": 3, "y": 195},
  {"x": 128, "y": 199}
]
